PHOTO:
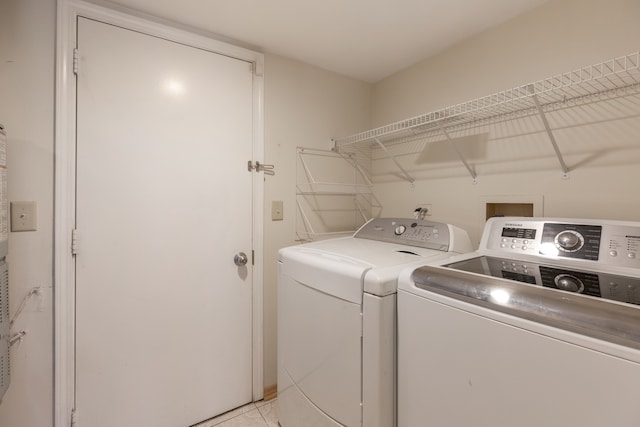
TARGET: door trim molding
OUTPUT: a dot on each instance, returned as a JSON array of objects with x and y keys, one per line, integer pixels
[{"x": 65, "y": 137}]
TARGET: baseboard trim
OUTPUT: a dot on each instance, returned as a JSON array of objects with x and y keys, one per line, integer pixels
[{"x": 271, "y": 392}]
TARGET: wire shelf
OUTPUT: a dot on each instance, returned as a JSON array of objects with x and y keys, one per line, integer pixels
[{"x": 615, "y": 77}]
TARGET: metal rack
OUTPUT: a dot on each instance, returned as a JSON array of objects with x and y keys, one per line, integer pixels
[
  {"x": 335, "y": 204},
  {"x": 607, "y": 80}
]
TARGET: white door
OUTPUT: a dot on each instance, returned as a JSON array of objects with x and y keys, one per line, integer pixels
[{"x": 164, "y": 202}]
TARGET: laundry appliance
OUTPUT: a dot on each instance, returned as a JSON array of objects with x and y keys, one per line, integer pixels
[
  {"x": 337, "y": 320},
  {"x": 539, "y": 327}
]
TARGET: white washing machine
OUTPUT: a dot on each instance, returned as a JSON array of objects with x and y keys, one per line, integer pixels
[
  {"x": 337, "y": 320},
  {"x": 539, "y": 327}
]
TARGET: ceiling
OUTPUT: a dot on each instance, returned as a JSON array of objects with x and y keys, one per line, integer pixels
[{"x": 364, "y": 39}]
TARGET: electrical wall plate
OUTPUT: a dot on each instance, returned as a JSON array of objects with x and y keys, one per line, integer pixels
[
  {"x": 24, "y": 216},
  {"x": 277, "y": 208}
]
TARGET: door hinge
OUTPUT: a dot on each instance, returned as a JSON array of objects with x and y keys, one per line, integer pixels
[
  {"x": 75, "y": 61},
  {"x": 74, "y": 418},
  {"x": 259, "y": 167},
  {"x": 253, "y": 257},
  {"x": 74, "y": 241}
]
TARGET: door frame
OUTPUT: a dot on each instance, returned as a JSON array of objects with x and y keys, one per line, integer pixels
[{"x": 65, "y": 173}]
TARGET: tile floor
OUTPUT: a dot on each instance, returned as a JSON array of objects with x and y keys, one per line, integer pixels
[{"x": 258, "y": 414}]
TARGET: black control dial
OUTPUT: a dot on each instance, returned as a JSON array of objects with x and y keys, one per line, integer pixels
[
  {"x": 569, "y": 241},
  {"x": 567, "y": 282}
]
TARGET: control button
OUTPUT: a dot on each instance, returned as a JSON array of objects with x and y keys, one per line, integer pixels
[
  {"x": 515, "y": 240},
  {"x": 613, "y": 285},
  {"x": 400, "y": 229},
  {"x": 632, "y": 255},
  {"x": 513, "y": 246},
  {"x": 502, "y": 245},
  {"x": 569, "y": 283},
  {"x": 569, "y": 241},
  {"x": 613, "y": 253},
  {"x": 524, "y": 248},
  {"x": 504, "y": 240}
]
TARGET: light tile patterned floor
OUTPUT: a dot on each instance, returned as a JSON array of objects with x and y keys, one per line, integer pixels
[{"x": 259, "y": 414}]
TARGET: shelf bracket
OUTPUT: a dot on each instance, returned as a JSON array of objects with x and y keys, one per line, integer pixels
[
  {"x": 354, "y": 164},
  {"x": 360, "y": 210},
  {"x": 310, "y": 177},
  {"x": 474, "y": 177},
  {"x": 545, "y": 122},
  {"x": 389, "y": 155},
  {"x": 305, "y": 220}
]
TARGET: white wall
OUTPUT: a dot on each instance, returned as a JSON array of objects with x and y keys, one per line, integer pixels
[
  {"x": 304, "y": 107},
  {"x": 559, "y": 36},
  {"x": 27, "y": 39}
]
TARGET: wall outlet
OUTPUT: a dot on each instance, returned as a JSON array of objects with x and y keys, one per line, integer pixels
[
  {"x": 277, "y": 208},
  {"x": 24, "y": 216}
]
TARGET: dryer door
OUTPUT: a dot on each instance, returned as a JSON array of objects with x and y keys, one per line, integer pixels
[{"x": 319, "y": 356}]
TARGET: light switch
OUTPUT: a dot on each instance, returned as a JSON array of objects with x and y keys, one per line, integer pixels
[
  {"x": 277, "y": 210},
  {"x": 24, "y": 216}
]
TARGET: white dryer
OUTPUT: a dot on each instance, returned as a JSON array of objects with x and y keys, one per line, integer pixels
[{"x": 337, "y": 320}]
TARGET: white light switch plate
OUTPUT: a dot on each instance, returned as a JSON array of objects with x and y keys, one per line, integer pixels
[
  {"x": 24, "y": 216},
  {"x": 277, "y": 213}
]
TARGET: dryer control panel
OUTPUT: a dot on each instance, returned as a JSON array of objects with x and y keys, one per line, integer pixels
[
  {"x": 615, "y": 243},
  {"x": 413, "y": 232}
]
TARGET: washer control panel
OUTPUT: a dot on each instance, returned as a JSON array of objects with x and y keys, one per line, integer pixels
[
  {"x": 614, "y": 243},
  {"x": 406, "y": 231}
]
